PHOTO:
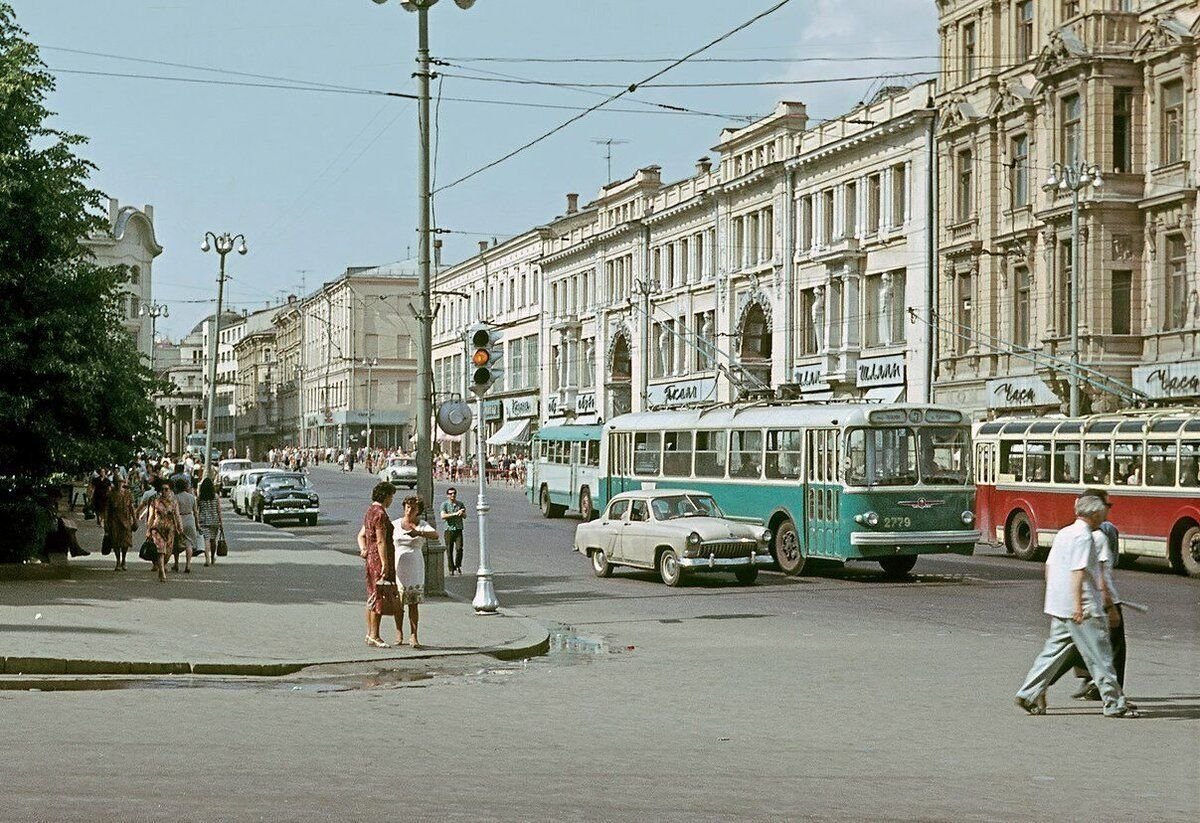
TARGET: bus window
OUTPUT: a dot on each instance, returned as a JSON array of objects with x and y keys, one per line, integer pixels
[
  {"x": 710, "y": 454},
  {"x": 1066, "y": 462},
  {"x": 646, "y": 452},
  {"x": 1160, "y": 464},
  {"x": 945, "y": 455},
  {"x": 1012, "y": 459},
  {"x": 1037, "y": 462},
  {"x": 1097, "y": 462},
  {"x": 745, "y": 453},
  {"x": 677, "y": 454},
  {"x": 1127, "y": 466},
  {"x": 1189, "y": 463},
  {"x": 783, "y": 453},
  {"x": 888, "y": 459},
  {"x": 856, "y": 458}
]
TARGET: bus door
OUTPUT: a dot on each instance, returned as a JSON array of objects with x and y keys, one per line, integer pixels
[
  {"x": 616, "y": 472},
  {"x": 987, "y": 460},
  {"x": 822, "y": 494}
]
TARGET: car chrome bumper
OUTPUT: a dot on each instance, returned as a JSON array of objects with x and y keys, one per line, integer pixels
[
  {"x": 267, "y": 510},
  {"x": 753, "y": 559},
  {"x": 914, "y": 538}
]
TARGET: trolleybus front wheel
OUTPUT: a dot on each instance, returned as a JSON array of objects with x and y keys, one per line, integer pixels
[
  {"x": 786, "y": 549},
  {"x": 586, "y": 507},
  {"x": 1021, "y": 538},
  {"x": 898, "y": 565},
  {"x": 549, "y": 509}
]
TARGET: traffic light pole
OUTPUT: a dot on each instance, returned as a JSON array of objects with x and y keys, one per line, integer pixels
[
  {"x": 425, "y": 330},
  {"x": 485, "y": 593}
]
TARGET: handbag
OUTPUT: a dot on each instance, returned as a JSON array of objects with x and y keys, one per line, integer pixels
[
  {"x": 222, "y": 546},
  {"x": 148, "y": 551},
  {"x": 106, "y": 545},
  {"x": 387, "y": 596}
]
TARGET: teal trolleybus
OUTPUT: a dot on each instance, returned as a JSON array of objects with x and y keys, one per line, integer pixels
[
  {"x": 840, "y": 482},
  {"x": 563, "y": 471}
]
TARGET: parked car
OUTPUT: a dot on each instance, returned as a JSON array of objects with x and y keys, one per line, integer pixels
[
  {"x": 400, "y": 471},
  {"x": 242, "y": 491},
  {"x": 228, "y": 474},
  {"x": 285, "y": 496},
  {"x": 674, "y": 531}
]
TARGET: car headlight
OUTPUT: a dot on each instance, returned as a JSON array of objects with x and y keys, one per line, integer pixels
[
  {"x": 968, "y": 517},
  {"x": 868, "y": 518},
  {"x": 313, "y": 498},
  {"x": 693, "y": 539},
  {"x": 764, "y": 537}
]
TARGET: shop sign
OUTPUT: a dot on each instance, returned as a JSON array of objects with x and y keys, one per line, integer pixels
[
  {"x": 585, "y": 403},
  {"x": 810, "y": 378},
  {"x": 492, "y": 409},
  {"x": 1168, "y": 380},
  {"x": 1025, "y": 392},
  {"x": 517, "y": 408},
  {"x": 880, "y": 371},
  {"x": 683, "y": 392}
]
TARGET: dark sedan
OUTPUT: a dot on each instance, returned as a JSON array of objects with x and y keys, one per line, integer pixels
[{"x": 285, "y": 496}]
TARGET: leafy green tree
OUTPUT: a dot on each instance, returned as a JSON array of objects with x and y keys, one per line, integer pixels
[{"x": 74, "y": 391}]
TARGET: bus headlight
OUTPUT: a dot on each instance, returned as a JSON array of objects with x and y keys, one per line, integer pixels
[
  {"x": 867, "y": 518},
  {"x": 968, "y": 517}
]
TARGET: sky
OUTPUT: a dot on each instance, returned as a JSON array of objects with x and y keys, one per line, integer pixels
[{"x": 319, "y": 180}]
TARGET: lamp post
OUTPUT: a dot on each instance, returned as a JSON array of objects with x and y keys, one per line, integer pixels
[
  {"x": 424, "y": 310},
  {"x": 300, "y": 402},
  {"x": 1073, "y": 177},
  {"x": 370, "y": 364},
  {"x": 646, "y": 288},
  {"x": 223, "y": 244},
  {"x": 153, "y": 311}
]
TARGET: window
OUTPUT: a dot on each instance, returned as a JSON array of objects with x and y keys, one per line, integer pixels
[
  {"x": 710, "y": 453},
  {"x": 682, "y": 262},
  {"x": 1097, "y": 466},
  {"x": 884, "y": 309},
  {"x": 646, "y": 448},
  {"x": 1024, "y": 29},
  {"x": 1127, "y": 469},
  {"x": 1065, "y": 261},
  {"x": 784, "y": 448},
  {"x": 851, "y": 210},
  {"x": 1070, "y": 8},
  {"x": 969, "y": 55},
  {"x": 531, "y": 360},
  {"x": 808, "y": 330},
  {"x": 964, "y": 204},
  {"x": 966, "y": 287},
  {"x": 1122, "y": 130},
  {"x": 515, "y": 364},
  {"x": 827, "y": 217},
  {"x": 1176, "y": 308},
  {"x": 745, "y": 453},
  {"x": 752, "y": 226},
  {"x": 1023, "y": 284},
  {"x": 1072, "y": 130},
  {"x": 135, "y": 275},
  {"x": 677, "y": 454},
  {"x": 805, "y": 215},
  {"x": 1019, "y": 171},
  {"x": 874, "y": 185},
  {"x": 1160, "y": 464},
  {"x": 882, "y": 457},
  {"x": 1037, "y": 462},
  {"x": 1066, "y": 462},
  {"x": 618, "y": 509},
  {"x": 739, "y": 244},
  {"x": 899, "y": 195},
  {"x": 639, "y": 511},
  {"x": 1172, "y": 122},
  {"x": 706, "y": 340},
  {"x": 1122, "y": 304},
  {"x": 768, "y": 234}
]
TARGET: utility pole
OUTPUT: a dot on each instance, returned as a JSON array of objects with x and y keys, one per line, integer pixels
[{"x": 608, "y": 143}]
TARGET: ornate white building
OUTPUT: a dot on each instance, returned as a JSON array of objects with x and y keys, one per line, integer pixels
[{"x": 129, "y": 240}]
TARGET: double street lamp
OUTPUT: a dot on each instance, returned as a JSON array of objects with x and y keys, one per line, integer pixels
[
  {"x": 1073, "y": 177},
  {"x": 223, "y": 244},
  {"x": 153, "y": 311},
  {"x": 370, "y": 363}
]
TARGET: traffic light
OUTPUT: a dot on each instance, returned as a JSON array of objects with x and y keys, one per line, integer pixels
[{"x": 485, "y": 353}]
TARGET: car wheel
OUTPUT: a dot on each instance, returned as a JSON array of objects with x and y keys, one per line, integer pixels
[
  {"x": 899, "y": 565},
  {"x": 1020, "y": 538},
  {"x": 669, "y": 569},
  {"x": 235, "y": 507},
  {"x": 586, "y": 507},
  {"x": 1185, "y": 558},
  {"x": 311, "y": 520},
  {"x": 600, "y": 565},
  {"x": 786, "y": 548},
  {"x": 746, "y": 576}
]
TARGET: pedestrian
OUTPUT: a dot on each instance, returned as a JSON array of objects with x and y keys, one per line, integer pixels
[
  {"x": 409, "y": 534},
  {"x": 101, "y": 486},
  {"x": 209, "y": 504},
  {"x": 1076, "y": 599},
  {"x": 189, "y": 511},
  {"x": 162, "y": 525},
  {"x": 452, "y": 515},
  {"x": 119, "y": 522},
  {"x": 1107, "y": 540},
  {"x": 375, "y": 547}
]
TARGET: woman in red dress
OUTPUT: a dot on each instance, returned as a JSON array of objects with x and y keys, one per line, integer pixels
[{"x": 375, "y": 546}]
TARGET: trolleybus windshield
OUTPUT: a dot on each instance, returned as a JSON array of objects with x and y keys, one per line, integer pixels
[{"x": 902, "y": 456}]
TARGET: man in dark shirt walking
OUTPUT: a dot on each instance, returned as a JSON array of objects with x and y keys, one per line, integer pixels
[{"x": 452, "y": 514}]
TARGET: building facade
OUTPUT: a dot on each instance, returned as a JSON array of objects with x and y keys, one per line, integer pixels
[
  {"x": 256, "y": 386},
  {"x": 129, "y": 241},
  {"x": 1026, "y": 85},
  {"x": 182, "y": 406}
]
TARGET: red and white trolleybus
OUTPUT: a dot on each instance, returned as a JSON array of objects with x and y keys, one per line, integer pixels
[{"x": 1029, "y": 471}]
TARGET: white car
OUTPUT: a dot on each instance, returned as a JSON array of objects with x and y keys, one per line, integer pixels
[
  {"x": 676, "y": 532},
  {"x": 400, "y": 471},
  {"x": 229, "y": 472},
  {"x": 245, "y": 489}
]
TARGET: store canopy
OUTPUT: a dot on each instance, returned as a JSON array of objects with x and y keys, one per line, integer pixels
[
  {"x": 571, "y": 433},
  {"x": 514, "y": 431},
  {"x": 884, "y": 394}
]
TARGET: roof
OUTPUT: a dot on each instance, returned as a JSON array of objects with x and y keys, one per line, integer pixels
[
  {"x": 570, "y": 434},
  {"x": 759, "y": 416},
  {"x": 226, "y": 317}
]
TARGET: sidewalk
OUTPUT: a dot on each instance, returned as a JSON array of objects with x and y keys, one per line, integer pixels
[{"x": 275, "y": 605}]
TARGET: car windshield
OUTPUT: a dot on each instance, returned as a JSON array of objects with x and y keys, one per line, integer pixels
[
  {"x": 672, "y": 507},
  {"x": 401, "y": 461},
  {"x": 903, "y": 456},
  {"x": 284, "y": 481},
  {"x": 230, "y": 465}
]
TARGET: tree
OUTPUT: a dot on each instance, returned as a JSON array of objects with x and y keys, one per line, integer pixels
[{"x": 74, "y": 391}]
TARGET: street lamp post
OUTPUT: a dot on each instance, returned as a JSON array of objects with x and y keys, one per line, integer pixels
[
  {"x": 223, "y": 244},
  {"x": 370, "y": 364},
  {"x": 1073, "y": 177},
  {"x": 646, "y": 288},
  {"x": 153, "y": 311},
  {"x": 424, "y": 309}
]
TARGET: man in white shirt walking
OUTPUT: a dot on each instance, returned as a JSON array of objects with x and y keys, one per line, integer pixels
[{"x": 1076, "y": 599}]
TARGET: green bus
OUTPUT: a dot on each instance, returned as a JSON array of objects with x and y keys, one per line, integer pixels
[{"x": 882, "y": 483}]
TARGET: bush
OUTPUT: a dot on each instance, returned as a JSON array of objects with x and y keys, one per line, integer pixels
[{"x": 26, "y": 521}]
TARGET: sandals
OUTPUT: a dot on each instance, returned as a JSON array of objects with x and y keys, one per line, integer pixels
[
  {"x": 375, "y": 642},
  {"x": 1031, "y": 706}
]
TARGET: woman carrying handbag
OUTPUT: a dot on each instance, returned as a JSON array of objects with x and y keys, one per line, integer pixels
[{"x": 212, "y": 528}]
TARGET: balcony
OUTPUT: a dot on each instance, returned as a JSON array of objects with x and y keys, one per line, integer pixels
[{"x": 1106, "y": 32}]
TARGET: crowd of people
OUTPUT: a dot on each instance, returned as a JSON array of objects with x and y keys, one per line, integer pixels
[{"x": 509, "y": 469}]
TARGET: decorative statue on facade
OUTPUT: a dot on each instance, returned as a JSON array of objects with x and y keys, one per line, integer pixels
[
  {"x": 681, "y": 347},
  {"x": 563, "y": 360},
  {"x": 589, "y": 360},
  {"x": 664, "y": 351},
  {"x": 887, "y": 298},
  {"x": 818, "y": 317},
  {"x": 708, "y": 350}
]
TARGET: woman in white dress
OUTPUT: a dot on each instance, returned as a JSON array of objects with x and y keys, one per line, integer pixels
[{"x": 411, "y": 531}]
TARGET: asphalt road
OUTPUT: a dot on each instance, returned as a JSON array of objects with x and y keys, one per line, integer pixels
[{"x": 835, "y": 695}]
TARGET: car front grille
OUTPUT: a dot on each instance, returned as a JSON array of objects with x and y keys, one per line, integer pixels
[{"x": 728, "y": 548}]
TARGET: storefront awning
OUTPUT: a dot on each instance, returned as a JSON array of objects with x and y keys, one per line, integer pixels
[
  {"x": 884, "y": 394},
  {"x": 514, "y": 431}
]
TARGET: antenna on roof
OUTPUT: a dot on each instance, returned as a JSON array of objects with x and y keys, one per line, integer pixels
[{"x": 608, "y": 143}]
